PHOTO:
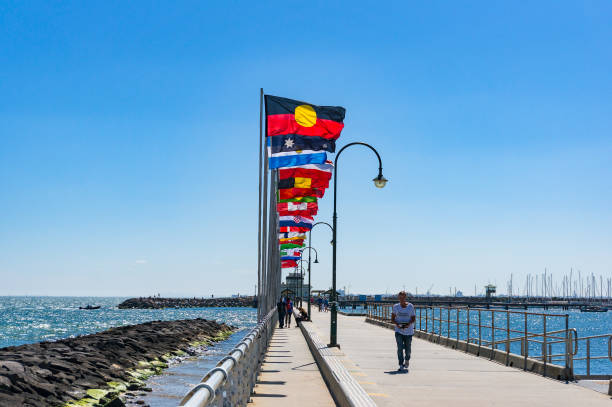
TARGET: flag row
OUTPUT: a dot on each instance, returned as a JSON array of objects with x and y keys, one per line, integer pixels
[{"x": 299, "y": 136}]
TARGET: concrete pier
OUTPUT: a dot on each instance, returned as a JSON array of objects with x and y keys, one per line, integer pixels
[
  {"x": 289, "y": 376},
  {"x": 440, "y": 376},
  {"x": 363, "y": 372}
]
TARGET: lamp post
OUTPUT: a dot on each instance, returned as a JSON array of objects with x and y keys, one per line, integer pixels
[
  {"x": 309, "y": 283},
  {"x": 310, "y": 244},
  {"x": 379, "y": 182},
  {"x": 301, "y": 281}
]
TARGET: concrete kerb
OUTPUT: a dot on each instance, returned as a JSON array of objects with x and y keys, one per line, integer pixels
[
  {"x": 353, "y": 314},
  {"x": 517, "y": 361},
  {"x": 344, "y": 389}
]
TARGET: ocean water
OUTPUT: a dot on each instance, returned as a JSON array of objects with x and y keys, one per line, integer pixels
[
  {"x": 34, "y": 319},
  {"x": 586, "y": 324}
]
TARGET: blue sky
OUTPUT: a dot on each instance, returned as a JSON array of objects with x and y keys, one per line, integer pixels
[{"x": 128, "y": 141}]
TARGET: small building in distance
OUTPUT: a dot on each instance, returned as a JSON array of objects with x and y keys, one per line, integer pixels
[
  {"x": 296, "y": 284},
  {"x": 490, "y": 290}
]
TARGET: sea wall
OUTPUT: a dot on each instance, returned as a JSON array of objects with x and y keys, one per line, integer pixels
[
  {"x": 93, "y": 370},
  {"x": 158, "y": 303}
]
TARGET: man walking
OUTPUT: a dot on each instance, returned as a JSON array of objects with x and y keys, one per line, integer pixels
[
  {"x": 289, "y": 311},
  {"x": 280, "y": 306},
  {"x": 403, "y": 316}
]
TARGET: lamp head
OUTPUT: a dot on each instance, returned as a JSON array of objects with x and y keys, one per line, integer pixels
[
  {"x": 316, "y": 260},
  {"x": 380, "y": 181}
]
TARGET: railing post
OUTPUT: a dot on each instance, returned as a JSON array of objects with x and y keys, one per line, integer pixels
[
  {"x": 457, "y": 327},
  {"x": 479, "y": 331},
  {"x": 426, "y": 318},
  {"x": 507, "y": 338},
  {"x": 544, "y": 349},
  {"x": 440, "y": 325},
  {"x": 492, "y": 334},
  {"x": 433, "y": 320},
  {"x": 448, "y": 310},
  {"x": 526, "y": 343},
  {"x": 468, "y": 329},
  {"x": 588, "y": 356}
]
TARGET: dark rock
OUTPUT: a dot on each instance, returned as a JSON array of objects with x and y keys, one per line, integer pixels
[
  {"x": 5, "y": 384},
  {"x": 158, "y": 302},
  {"x": 53, "y": 373},
  {"x": 11, "y": 369},
  {"x": 116, "y": 402}
]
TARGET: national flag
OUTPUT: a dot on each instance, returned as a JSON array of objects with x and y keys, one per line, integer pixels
[
  {"x": 291, "y": 240},
  {"x": 295, "y": 258},
  {"x": 294, "y": 142},
  {"x": 309, "y": 199},
  {"x": 291, "y": 252},
  {"x": 287, "y": 116},
  {"x": 301, "y": 213},
  {"x": 290, "y": 246},
  {"x": 288, "y": 235},
  {"x": 318, "y": 171},
  {"x": 296, "y": 221},
  {"x": 293, "y": 158},
  {"x": 297, "y": 208},
  {"x": 290, "y": 193},
  {"x": 288, "y": 263},
  {"x": 294, "y": 229},
  {"x": 302, "y": 182}
]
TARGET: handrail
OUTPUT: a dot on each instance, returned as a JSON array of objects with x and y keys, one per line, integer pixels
[
  {"x": 204, "y": 392},
  {"x": 457, "y": 324}
]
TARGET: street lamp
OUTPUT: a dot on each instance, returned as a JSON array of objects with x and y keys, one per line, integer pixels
[
  {"x": 316, "y": 261},
  {"x": 301, "y": 282},
  {"x": 379, "y": 182},
  {"x": 310, "y": 244}
]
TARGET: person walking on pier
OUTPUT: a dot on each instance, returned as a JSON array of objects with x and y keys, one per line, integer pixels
[
  {"x": 280, "y": 306},
  {"x": 403, "y": 316},
  {"x": 289, "y": 312}
]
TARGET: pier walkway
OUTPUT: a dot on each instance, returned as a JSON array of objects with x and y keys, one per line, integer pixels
[
  {"x": 438, "y": 376},
  {"x": 289, "y": 375}
]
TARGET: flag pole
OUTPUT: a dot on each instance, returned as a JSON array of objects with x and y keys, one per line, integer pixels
[{"x": 259, "y": 274}]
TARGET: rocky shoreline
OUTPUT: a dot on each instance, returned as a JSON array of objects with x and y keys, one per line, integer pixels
[
  {"x": 159, "y": 303},
  {"x": 95, "y": 370}
]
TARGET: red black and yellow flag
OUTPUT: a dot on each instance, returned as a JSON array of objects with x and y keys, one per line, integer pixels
[
  {"x": 288, "y": 116},
  {"x": 303, "y": 182}
]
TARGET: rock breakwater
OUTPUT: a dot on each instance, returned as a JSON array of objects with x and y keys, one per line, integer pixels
[
  {"x": 92, "y": 370},
  {"x": 158, "y": 302}
]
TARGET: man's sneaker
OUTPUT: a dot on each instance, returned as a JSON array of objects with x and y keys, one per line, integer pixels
[
  {"x": 406, "y": 364},
  {"x": 401, "y": 368}
]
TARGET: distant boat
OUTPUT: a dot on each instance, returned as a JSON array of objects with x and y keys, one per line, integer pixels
[
  {"x": 592, "y": 308},
  {"x": 90, "y": 307}
]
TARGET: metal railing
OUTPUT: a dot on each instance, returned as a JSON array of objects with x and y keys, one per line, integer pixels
[
  {"x": 588, "y": 357},
  {"x": 230, "y": 382},
  {"x": 497, "y": 330}
]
